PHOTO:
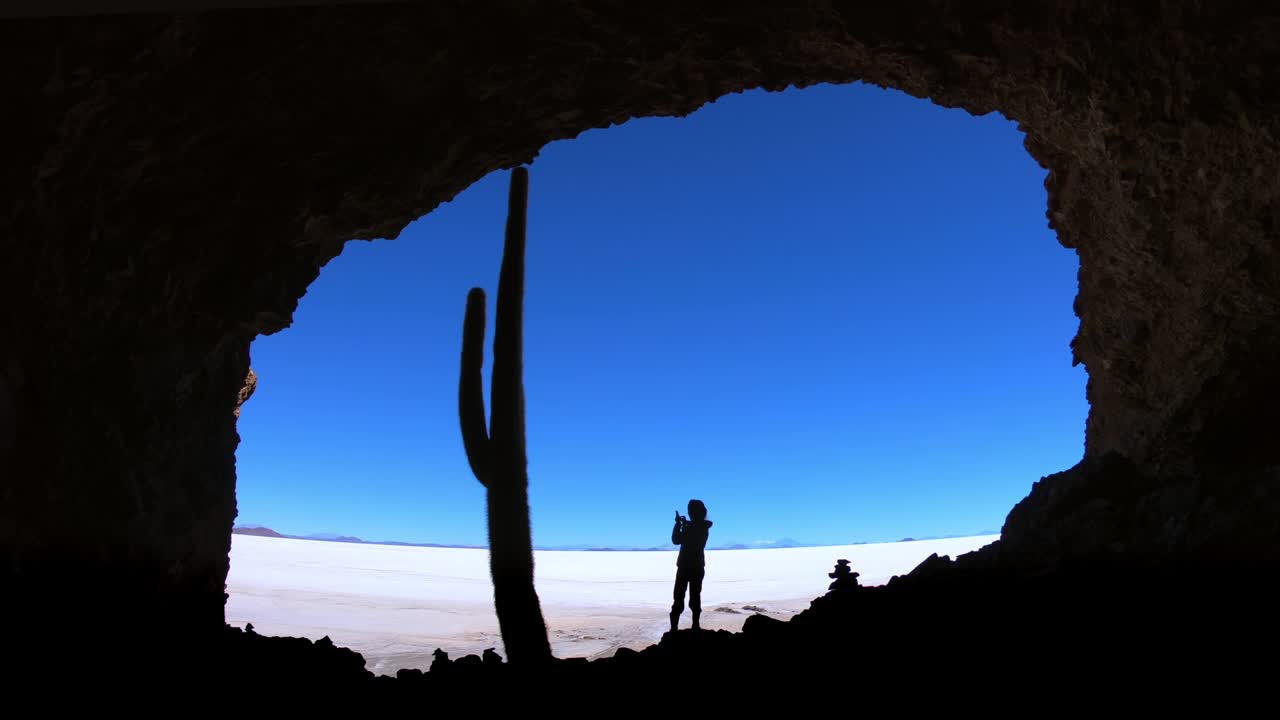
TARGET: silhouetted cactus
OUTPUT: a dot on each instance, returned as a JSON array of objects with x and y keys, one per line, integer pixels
[{"x": 497, "y": 457}]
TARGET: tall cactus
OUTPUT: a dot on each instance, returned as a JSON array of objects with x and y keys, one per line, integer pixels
[{"x": 497, "y": 457}]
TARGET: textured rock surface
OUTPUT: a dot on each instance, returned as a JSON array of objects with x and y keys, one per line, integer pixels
[
  {"x": 247, "y": 390},
  {"x": 1108, "y": 506},
  {"x": 171, "y": 185}
]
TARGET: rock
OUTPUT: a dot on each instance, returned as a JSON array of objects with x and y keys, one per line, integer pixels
[
  {"x": 933, "y": 566},
  {"x": 844, "y": 577},
  {"x": 626, "y": 654},
  {"x": 246, "y": 392},
  {"x": 173, "y": 184},
  {"x": 762, "y": 624},
  {"x": 440, "y": 661},
  {"x": 468, "y": 662}
]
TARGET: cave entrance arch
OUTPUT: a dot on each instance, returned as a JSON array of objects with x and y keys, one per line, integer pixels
[
  {"x": 878, "y": 304},
  {"x": 131, "y": 305}
]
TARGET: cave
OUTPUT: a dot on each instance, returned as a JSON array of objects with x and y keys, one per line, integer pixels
[{"x": 175, "y": 181}]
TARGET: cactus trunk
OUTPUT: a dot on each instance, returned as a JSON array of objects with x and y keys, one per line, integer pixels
[
  {"x": 497, "y": 458},
  {"x": 524, "y": 633}
]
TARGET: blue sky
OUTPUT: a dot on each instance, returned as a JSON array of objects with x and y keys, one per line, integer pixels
[{"x": 834, "y": 314}]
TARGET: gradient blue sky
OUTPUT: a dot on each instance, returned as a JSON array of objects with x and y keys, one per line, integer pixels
[{"x": 834, "y": 314}]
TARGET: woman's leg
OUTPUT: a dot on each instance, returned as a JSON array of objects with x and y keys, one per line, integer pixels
[
  {"x": 695, "y": 594},
  {"x": 677, "y": 607}
]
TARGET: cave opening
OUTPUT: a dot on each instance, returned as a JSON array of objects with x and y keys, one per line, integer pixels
[
  {"x": 837, "y": 314},
  {"x": 176, "y": 183}
]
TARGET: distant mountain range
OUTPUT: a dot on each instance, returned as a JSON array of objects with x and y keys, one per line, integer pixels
[
  {"x": 333, "y": 537},
  {"x": 255, "y": 530},
  {"x": 261, "y": 531}
]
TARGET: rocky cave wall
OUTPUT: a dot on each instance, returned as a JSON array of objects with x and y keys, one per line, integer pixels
[{"x": 172, "y": 184}]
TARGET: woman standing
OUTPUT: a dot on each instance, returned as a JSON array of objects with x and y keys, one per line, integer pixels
[{"x": 691, "y": 535}]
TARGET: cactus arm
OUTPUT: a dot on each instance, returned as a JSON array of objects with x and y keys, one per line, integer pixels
[{"x": 471, "y": 390}]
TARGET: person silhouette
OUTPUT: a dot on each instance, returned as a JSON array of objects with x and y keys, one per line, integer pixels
[{"x": 691, "y": 535}]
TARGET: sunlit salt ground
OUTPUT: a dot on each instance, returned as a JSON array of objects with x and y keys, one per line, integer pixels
[{"x": 395, "y": 605}]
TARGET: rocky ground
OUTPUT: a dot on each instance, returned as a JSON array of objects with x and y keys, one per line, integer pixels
[{"x": 943, "y": 636}]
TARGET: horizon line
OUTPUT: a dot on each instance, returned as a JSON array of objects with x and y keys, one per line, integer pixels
[{"x": 781, "y": 544}]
